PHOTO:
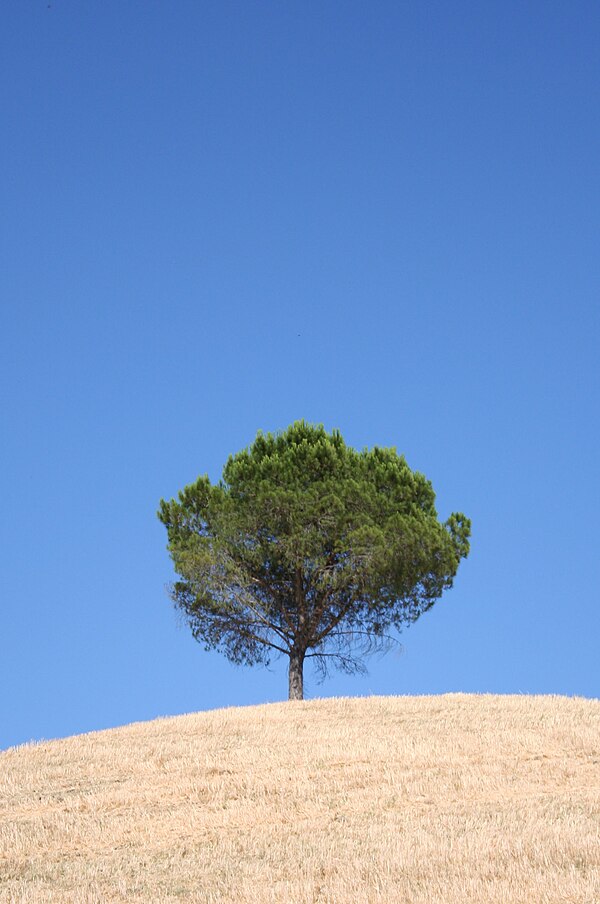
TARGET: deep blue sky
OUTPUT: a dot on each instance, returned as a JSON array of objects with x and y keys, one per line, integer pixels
[{"x": 219, "y": 217}]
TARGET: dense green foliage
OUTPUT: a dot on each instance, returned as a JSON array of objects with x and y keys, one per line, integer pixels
[{"x": 308, "y": 547}]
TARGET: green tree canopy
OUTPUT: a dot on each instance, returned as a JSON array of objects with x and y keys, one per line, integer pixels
[{"x": 309, "y": 548}]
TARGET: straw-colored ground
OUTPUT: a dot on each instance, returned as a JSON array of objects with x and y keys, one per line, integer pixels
[{"x": 455, "y": 799}]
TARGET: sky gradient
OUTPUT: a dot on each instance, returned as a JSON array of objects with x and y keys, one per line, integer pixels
[{"x": 223, "y": 217}]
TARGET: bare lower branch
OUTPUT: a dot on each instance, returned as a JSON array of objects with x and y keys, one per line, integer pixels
[{"x": 258, "y": 639}]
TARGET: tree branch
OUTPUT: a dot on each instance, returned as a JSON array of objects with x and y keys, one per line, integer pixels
[
  {"x": 244, "y": 600},
  {"x": 256, "y": 637},
  {"x": 280, "y": 608},
  {"x": 334, "y": 621}
]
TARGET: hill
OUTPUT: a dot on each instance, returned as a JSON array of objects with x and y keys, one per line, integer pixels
[{"x": 452, "y": 799}]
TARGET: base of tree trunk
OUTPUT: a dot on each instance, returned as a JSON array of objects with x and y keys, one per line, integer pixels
[{"x": 296, "y": 677}]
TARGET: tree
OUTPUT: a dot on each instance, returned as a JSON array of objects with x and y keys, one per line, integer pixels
[{"x": 309, "y": 548}]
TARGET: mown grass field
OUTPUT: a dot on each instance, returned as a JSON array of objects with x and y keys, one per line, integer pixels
[{"x": 452, "y": 799}]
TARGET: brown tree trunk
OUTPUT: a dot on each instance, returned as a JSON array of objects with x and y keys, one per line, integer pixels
[{"x": 296, "y": 675}]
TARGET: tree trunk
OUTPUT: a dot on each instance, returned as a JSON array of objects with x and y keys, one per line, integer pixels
[{"x": 296, "y": 675}]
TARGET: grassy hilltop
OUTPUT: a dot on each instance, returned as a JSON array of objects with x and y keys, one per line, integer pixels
[{"x": 454, "y": 799}]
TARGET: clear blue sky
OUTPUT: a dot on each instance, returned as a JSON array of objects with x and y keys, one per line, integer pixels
[{"x": 219, "y": 217}]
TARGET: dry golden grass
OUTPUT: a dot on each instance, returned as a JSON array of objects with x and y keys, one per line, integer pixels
[{"x": 452, "y": 799}]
